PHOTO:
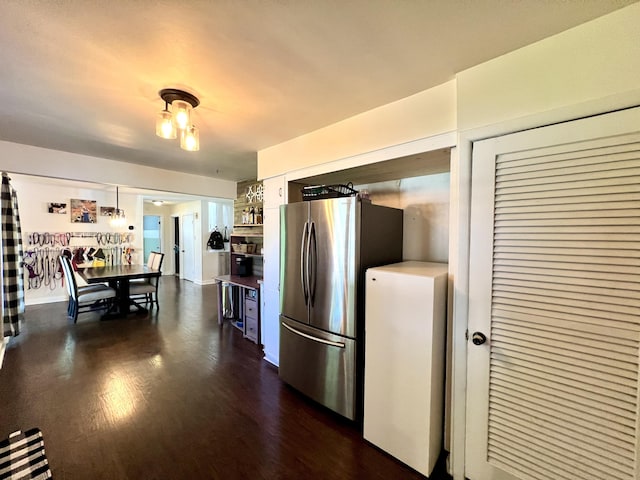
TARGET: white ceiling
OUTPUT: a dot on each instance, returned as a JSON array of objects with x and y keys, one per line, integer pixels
[{"x": 83, "y": 75}]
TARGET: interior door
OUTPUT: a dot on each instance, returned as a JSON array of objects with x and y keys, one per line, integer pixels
[
  {"x": 333, "y": 266},
  {"x": 188, "y": 247},
  {"x": 554, "y": 302}
]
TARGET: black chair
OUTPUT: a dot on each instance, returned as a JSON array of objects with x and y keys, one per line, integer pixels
[
  {"x": 85, "y": 298},
  {"x": 148, "y": 289}
]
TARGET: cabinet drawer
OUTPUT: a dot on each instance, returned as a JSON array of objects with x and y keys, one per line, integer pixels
[
  {"x": 251, "y": 329},
  {"x": 250, "y": 308}
]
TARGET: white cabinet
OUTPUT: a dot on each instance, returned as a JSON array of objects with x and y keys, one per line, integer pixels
[
  {"x": 270, "y": 331},
  {"x": 405, "y": 324},
  {"x": 271, "y": 285},
  {"x": 275, "y": 192}
]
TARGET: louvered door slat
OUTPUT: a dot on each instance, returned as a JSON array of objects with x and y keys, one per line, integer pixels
[
  {"x": 565, "y": 317},
  {"x": 556, "y": 343},
  {"x": 598, "y": 150},
  {"x": 571, "y": 280},
  {"x": 568, "y": 375},
  {"x": 560, "y": 331},
  {"x": 570, "y": 164},
  {"x": 550, "y": 436},
  {"x": 629, "y": 265},
  {"x": 568, "y": 465},
  {"x": 573, "y": 463},
  {"x": 621, "y": 419},
  {"x": 579, "y": 213},
  {"x": 567, "y": 300},
  {"x": 602, "y": 397},
  {"x": 557, "y": 207}
]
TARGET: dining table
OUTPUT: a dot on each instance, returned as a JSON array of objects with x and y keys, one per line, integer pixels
[{"x": 119, "y": 277}]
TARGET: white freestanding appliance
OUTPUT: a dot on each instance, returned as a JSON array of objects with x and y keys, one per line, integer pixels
[{"x": 405, "y": 323}]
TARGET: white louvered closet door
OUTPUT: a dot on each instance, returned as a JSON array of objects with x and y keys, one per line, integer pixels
[{"x": 555, "y": 288}]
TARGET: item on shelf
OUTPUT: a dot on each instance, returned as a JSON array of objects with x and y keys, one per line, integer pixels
[
  {"x": 259, "y": 215},
  {"x": 243, "y": 247},
  {"x": 244, "y": 266},
  {"x": 319, "y": 192}
]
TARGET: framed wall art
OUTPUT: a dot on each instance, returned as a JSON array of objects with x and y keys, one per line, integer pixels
[
  {"x": 60, "y": 208},
  {"x": 107, "y": 211},
  {"x": 83, "y": 211}
]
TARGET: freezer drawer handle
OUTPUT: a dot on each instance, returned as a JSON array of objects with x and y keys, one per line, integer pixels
[{"x": 315, "y": 339}]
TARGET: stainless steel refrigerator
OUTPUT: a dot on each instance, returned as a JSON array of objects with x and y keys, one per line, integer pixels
[{"x": 326, "y": 245}]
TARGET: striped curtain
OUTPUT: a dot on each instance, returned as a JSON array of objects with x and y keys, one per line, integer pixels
[{"x": 12, "y": 259}]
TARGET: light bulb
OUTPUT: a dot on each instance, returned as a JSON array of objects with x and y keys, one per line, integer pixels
[
  {"x": 181, "y": 112},
  {"x": 190, "y": 139},
  {"x": 164, "y": 125}
]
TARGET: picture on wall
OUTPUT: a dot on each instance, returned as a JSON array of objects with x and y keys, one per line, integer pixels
[
  {"x": 60, "y": 208},
  {"x": 107, "y": 211},
  {"x": 83, "y": 211}
]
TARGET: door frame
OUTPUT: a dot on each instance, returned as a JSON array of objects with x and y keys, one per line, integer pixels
[{"x": 459, "y": 246}]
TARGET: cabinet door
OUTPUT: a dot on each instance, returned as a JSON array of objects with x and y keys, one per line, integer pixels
[
  {"x": 269, "y": 325},
  {"x": 274, "y": 192},
  {"x": 271, "y": 255},
  {"x": 554, "y": 302}
]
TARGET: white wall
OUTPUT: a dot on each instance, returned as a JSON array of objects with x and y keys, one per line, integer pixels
[
  {"x": 33, "y": 197},
  {"x": 595, "y": 60},
  {"x": 426, "y": 114},
  {"x": 28, "y": 160}
]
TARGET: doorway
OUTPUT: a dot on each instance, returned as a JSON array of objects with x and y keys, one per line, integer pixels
[
  {"x": 151, "y": 235},
  {"x": 176, "y": 245}
]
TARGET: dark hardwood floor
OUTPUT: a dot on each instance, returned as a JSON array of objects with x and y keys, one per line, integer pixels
[{"x": 170, "y": 395}]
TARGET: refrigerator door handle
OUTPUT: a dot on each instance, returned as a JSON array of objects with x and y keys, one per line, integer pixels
[
  {"x": 303, "y": 263},
  {"x": 313, "y": 262},
  {"x": 315, "y": 339}
]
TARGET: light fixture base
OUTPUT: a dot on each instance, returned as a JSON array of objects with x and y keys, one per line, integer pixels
[{"x": 171, "y": 94}]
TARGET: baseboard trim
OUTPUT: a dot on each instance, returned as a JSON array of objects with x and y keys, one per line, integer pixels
[
  {"x": 40, "y": 301},
  {"x": 204, "y": 282},
  {"x": 273, "y": 361}
]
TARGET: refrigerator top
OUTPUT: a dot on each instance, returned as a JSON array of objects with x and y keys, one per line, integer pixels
[{"x": 420, "y": 269}]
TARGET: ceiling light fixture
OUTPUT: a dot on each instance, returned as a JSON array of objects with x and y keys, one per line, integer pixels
[
  {"x": 157, "y": 203},
  {"x": 170, "y": 123},
  {"x": 118, "y": 219}
]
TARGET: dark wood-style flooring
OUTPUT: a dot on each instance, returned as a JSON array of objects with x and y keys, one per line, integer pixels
[{"x": 171, "y": 395}]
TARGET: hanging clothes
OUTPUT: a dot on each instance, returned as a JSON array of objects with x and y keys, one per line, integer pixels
[{"x": 12, "y": 260}]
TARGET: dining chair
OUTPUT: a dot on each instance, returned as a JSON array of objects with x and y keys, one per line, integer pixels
[
  {"x": 150, "y": 261},
  {"x": 85, "y": 298},
  {"x": 148, "y": 289}
]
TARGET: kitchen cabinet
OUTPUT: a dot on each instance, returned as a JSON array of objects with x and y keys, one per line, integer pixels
[{"x": 251, "y": 314}]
